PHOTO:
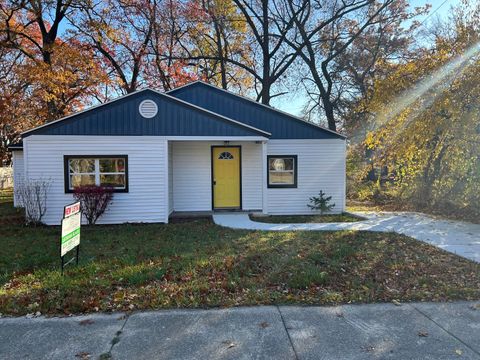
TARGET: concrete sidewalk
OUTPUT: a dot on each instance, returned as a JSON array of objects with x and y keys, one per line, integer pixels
[
  {"x": 376, "y": 331},
  {"x": 458, "y": 237}
]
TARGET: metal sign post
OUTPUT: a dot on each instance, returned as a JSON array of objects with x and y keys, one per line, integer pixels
[{"x": 70, "y": 233}]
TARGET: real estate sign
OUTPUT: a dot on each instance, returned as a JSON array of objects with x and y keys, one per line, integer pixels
[
  {"x": 71, "y": 209},
  {"x": 70, "y": 228}
]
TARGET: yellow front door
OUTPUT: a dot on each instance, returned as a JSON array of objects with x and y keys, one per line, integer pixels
[{"x": 226, "y": 177}]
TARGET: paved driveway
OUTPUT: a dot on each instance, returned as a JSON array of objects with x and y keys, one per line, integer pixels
[
  {"x": 455, "y": 236},
  {"x": 376, "y": 331}
]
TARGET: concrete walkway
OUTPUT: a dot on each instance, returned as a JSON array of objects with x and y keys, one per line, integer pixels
[
  {"x": 457, "y": 237},
  {"x": 377, "y": 331}
]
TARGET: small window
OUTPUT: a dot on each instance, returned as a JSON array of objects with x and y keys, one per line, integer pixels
[
  {"x": 96, "y": 170},
  {"x": 225, "y": 156},
  {"x": 282, "y": 171}
]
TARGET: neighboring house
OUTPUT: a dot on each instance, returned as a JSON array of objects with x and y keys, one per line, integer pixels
[{"x": 195, "y": 148}]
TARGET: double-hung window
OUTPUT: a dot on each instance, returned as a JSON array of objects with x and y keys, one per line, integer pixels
[
  {"x": 104, "y": 170},
  {"x": 282, "y": 171}
]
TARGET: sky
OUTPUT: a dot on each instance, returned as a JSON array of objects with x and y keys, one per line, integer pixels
[{"x": 293, "y": 104}]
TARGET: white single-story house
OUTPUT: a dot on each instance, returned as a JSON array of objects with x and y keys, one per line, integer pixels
[{"x": 196, "y": 148}]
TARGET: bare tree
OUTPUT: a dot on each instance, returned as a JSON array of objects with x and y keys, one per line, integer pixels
[
  {"x": 120, "y": 31},
  {"x": 324, "y": 33},
  {"x": 270, "y": 23},
  {"x": 166, "y": 66}
]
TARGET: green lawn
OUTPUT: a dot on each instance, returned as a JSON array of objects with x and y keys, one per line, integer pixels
[
  {"x": 199, "y": 264},
  {"x": 292, "y": 219},
  {"x": 8, "y": 214}
]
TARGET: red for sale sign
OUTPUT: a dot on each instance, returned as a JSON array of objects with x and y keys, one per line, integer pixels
[{"x": 71, "y": 209}]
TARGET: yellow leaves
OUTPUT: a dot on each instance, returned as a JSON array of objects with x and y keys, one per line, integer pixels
[
  {"x": 370, "y": 140},
  {"x": 229, "y": 262}
]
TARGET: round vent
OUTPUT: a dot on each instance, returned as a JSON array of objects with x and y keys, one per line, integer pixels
[{"x": 148, "y": 109}]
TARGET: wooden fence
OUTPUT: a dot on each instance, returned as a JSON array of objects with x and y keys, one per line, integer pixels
[{"x": 6, "y": 177}]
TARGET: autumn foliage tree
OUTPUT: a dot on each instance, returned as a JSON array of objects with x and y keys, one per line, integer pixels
[
  {"x": 166, "y": 68},
  {"x": 45, "y": 76},
  {"x": 59, "y": 71},
  {"x": 424, "y": 125},
  {"x": 15, "y": 117},
  {"x": 216, "y": 43}
]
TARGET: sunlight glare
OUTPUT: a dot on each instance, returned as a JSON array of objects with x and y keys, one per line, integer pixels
[{"x": 440, "y": 80}]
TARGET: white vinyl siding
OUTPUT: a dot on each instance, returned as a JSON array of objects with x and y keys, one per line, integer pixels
[
  {"x": 192, "y": 186},
  {"x": 321, "y": 166},
  {"x": 18, "y": 172},
  {"x": 176, "y": 176},
  {"x": 146, "y": 200},
  {"x": 170, "y": 178},
  {"x": 252, "y": 179},
  {"x": 191, "y": 176}
]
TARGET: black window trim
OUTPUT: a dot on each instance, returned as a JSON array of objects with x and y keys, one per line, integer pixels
[
  {"x": 66, "y": 175},
  {"x": 295, "y": 172}
]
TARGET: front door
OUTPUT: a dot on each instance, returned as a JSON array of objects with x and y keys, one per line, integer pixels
[{"x": 226, "y": 177}]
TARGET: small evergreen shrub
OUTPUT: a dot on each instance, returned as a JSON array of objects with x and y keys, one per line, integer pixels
[{"x": 321, "y": 203}]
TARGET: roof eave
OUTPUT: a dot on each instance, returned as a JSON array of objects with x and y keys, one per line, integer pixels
[{"x": 15, "y": 147}]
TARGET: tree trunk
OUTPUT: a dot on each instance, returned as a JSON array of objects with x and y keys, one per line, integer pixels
[
  {"x": 266, "y": 82},
  {"x": 220, "y": 54},
  {"x": 48, "y": 42},
  {"x": 329, "y": 114}
]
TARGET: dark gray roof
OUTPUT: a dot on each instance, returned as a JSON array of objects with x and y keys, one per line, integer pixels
[
  {"x": 280, "y": 124},
  {"x": 175, "y": 117}
]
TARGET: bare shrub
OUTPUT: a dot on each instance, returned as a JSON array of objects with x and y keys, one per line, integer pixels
[
  {"x": 32, "y": 194},
  {"x": 94, "y": 200}
]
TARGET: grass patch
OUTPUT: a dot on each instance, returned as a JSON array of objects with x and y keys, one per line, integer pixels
[
  {"x": 296, "y": 219},
  {"x": 199, "y": 264},
  {"x": 9, "y": 214}
]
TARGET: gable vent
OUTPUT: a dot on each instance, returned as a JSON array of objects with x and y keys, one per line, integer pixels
[{"x": 148, "y": 109}]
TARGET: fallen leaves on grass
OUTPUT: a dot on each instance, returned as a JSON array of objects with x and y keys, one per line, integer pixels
[{"x": 199, "y": 264}]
